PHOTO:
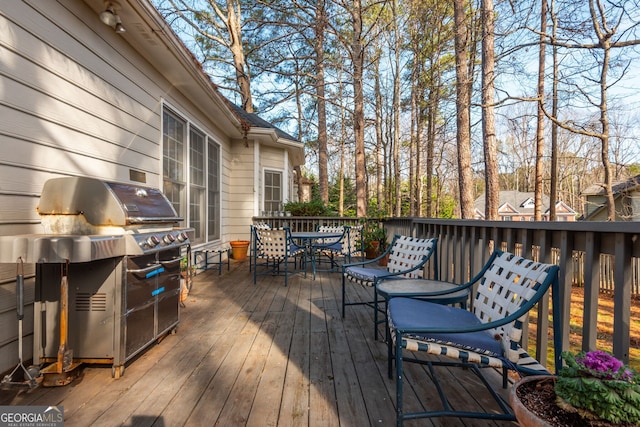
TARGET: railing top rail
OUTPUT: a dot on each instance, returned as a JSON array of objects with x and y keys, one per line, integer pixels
[{"x": 601, "y": 226}]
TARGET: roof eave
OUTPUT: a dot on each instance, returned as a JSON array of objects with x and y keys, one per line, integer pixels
[{"x": 152, "y": 38}]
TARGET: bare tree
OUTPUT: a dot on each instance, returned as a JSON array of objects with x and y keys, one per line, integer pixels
[
  {"x": 463, "y": 102},
  {"x": 488, "y": 118},
  {"x": 540, "y": 117},
  {"x": 605, "y": 20},
  {"x": 217, "y": 24},
  {"x": 357, "y": 57},
  {"x": 318, "y": 47}
]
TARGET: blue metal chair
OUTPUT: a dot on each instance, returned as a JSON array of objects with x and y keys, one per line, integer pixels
[
  {"x": 487, "y": 336},
  {"x": 407, "y": 258},
  {"x": 273, "y": 252}
]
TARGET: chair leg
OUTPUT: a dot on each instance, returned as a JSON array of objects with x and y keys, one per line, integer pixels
[
  {"x": 286, "y": 271},
  {"x": 343, "y": 295},
  {"x": 255, "y": 269},
  {"x": 399, "y": 378},
  {"x": 389, "y": 354},
  {"x": 375, "y": 312}
]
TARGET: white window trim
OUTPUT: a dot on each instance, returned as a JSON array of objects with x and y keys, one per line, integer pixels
[
  {"x": 164, "y": 104},
  {"x": 283, "y": 184}
]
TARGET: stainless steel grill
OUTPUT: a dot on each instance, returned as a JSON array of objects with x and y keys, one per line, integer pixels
[{"x": 107, "y": 265}]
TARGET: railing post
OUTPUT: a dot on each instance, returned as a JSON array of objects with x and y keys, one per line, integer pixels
[
  {"x": 622, "y": 297},
  {"x": 590, "y": 282}
]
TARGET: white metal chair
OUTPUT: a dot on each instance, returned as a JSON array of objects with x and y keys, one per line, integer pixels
[
  {"x": 487, "y": 336},
  {"x": 407, "y": 258},
  {"x": 276, "y": 250},
  {"x": 254, "y": 243},
  {"x": 330, "y": 247},
  {"x": 355, "y": 244}
]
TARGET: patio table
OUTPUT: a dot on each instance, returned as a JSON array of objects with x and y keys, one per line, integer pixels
[
  {"x": 306, "y": 239},
  {"x": 415, "y": 288}
]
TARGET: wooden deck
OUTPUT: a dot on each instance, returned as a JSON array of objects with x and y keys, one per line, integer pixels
[{"x": 264, "y": 355}]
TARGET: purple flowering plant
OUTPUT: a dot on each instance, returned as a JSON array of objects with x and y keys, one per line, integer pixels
[{"x": 598, "y": 386}]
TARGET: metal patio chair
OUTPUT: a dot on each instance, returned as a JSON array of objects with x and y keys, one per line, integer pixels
[
  {"x": 407, "y": 259},
  {"x": 489, "y": 335},
  {"x": 274, "y": 252},
  {"x": 333, "y": 247},
  {"x": 253, "y": 246},
  {"x": 355, "y": 244}
]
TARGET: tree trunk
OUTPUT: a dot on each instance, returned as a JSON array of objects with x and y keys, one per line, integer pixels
[
  {"x": 379, "y": 154},
  {"x": 538, "y": 187},
  {"x": 604, "y": 137},
  {"x": 239, "y": 62},
  {"x": 358, "y": 110},
  {"x": 488, "y": 115},
  {"x": 396, "y": 112},
  {"x": 463, "y": 101},
  {"x": 553, "y": 196},
  {"x": 319, "y": 29}
]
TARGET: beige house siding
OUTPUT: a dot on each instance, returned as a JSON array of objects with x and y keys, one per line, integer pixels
[
  {"x": 240, "y": 207},
  {"x": 77, "y": 99}
]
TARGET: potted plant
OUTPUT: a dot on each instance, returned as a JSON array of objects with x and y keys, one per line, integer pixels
[
  {"x": 373, "y": 236},
  {"x": 592, "y": 389}
]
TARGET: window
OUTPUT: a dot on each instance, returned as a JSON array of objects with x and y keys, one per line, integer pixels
[
  {"x": 196, "y": 181},
  {"x": 197, "y": 156},
  {"x": 272, "y": 191},
  {"x": 173, "y": 143}
]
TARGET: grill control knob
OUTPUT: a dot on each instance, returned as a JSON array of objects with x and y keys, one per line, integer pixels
[
  {"x": 169, "y": 239},
  {"x": 152, "y": 241},
  {"x": 182, "y": 236}
]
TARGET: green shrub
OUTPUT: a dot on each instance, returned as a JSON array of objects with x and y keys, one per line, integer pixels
[{"x": 312, "y": 208}]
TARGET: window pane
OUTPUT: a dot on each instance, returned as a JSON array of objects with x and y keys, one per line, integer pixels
[
  {"x": 272, "y": 191},
  {"x": 173, "y": 160},
  {"x": 196, "y": 214},
  {"x": 197, "y": 157},
  {"x": 213, "y": 181}
]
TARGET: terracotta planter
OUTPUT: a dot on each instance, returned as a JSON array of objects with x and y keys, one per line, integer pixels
[
  {"x": 239, "y": 249},
  {"x": 371, "y": 250},
  {"x": 525, "y": 417}
]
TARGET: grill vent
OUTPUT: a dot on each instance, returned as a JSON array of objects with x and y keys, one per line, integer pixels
[{"x": 91, "y": 302}]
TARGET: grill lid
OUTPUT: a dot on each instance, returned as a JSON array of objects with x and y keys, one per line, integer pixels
[{"x": 106, "y": 203}]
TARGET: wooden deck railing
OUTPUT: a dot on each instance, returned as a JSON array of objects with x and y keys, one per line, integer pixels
[{"x": 595, "y": 255}]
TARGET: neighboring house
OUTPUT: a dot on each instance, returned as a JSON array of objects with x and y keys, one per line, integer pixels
[
  {"x": 625, "y": 194},
  {"x": 519, "y": 206},
  {"x": 81, "y": 99}
]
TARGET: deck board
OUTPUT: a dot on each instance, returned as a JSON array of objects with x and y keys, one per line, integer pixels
[{"x": 258, "y": 355}]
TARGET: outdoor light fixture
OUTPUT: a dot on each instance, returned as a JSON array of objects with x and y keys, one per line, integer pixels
[{"x": 110, "y": 17}]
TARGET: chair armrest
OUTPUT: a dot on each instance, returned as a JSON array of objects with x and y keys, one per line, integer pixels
[
  {"x": 362, "y": 263},
  {"x": 390, "y": 275}
]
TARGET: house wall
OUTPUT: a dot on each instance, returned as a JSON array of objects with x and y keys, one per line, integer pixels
[
  {"x": 240, "y": 165},
  {"x": 634, "y": 203},
  {"x": 627, "y": 207},
  {"x": 77, "y": 100}
]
